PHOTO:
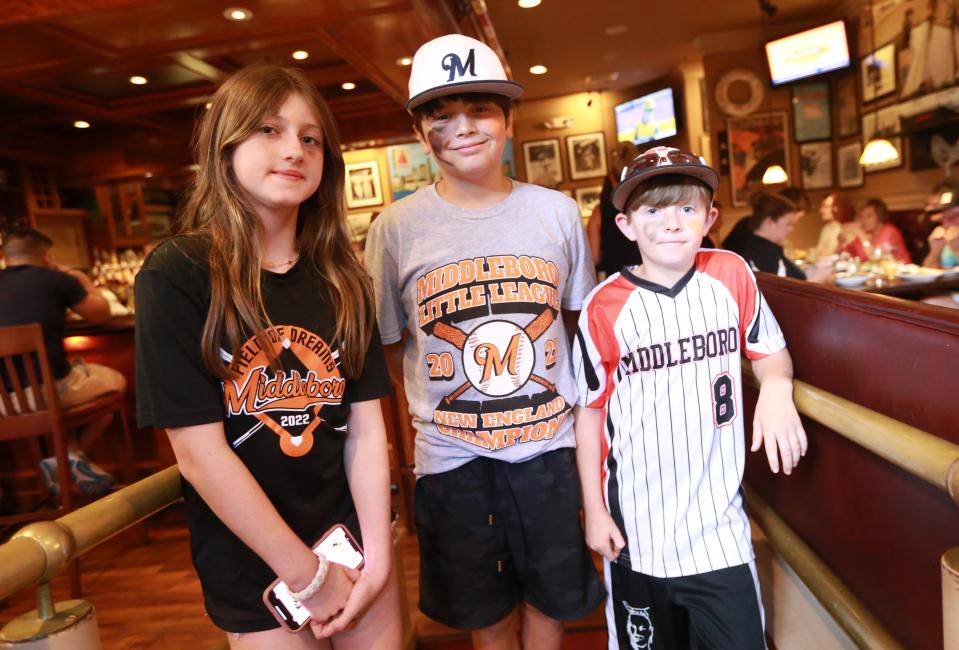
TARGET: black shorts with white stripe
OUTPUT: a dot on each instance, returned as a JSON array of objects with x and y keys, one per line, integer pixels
[{"x": 719, "y": 609}]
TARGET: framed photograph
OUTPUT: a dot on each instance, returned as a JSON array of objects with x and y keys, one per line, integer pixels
[
  {"x": 935, "y": 147},
  {"x": 847, "y": 108},
  {"x": 755, "y": 142},
  {"x": 815, "y": 161},
  {"x": 811, "y": 114},
  {"x": 363, "y": 187},
  {"x": 542, "y": 161},
  {"x": 587, "y": 155},
  {"x": 883, "y": 123},
  {"x": 878, "y": 73},
  {"x": 587, "y": 198},
  {"x": 410, "y": 169},
  {"x": 849, "y": 171}
]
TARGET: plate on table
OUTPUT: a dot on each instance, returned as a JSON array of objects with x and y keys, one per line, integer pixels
[
  {"x": 950, "y": 273},
  {"x": 851, "y": 280},
  {"x": 914, "y": 273}
]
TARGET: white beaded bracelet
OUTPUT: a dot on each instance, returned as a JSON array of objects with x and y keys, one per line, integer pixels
[{"x": 309, "y": 590}]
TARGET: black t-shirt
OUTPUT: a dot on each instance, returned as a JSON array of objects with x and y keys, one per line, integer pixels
[
  {"x": 288, "y": 427},
  {"x": 736, "y": 239},
  {"x": 39, "y": 294},
  {"x": 764, "y": 255},
  {"x": 616, "y": 251}
]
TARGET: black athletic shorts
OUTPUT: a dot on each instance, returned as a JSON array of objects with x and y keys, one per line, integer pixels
[
  {"x": 718, "y": 609},
  {"x": 494, "y": 534}
]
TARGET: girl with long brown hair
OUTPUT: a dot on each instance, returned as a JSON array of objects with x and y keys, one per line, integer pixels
[{"x": 257, "y": 350}]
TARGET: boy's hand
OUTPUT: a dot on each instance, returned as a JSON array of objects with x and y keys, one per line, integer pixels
[
  {"x": 603, "y": 536},
  {"x": 777, "y": 424}
]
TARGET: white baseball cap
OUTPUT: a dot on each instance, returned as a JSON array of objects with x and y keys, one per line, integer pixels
[{"x": 454, "y": 64}]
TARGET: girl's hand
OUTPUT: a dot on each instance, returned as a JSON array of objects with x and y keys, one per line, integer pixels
[
  {"x": 603, "y": 535},
  {"x": 368, "y": 586},
  {"x": 331, "y": 598}
]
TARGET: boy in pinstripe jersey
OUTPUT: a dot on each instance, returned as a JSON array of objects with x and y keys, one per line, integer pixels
[{"x": 659, "y": 426}]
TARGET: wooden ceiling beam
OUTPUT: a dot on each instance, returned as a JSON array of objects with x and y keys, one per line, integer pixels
[
  {"x": 198, "y": 67},
  {"x": 85, "y": 107},
  {"x": 363, "y": 64},
  {"x": 25, "y": 11}
]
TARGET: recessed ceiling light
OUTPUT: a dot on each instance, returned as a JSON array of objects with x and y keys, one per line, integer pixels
[
  {"x": 528, "y": 4},
  {"x": 615, "y": 30},
  {"x": 237, "y": 13},
  {"x": 299, "y": 55},
  {"x": 208, "y": 105},
  {"x": 404, "y": 60},
  {"x": 81, "y": 124},
  {"x": 137, "y": 80},
  {"x": 538, "y": 69},
  {"x": 348, "y": 85},
  {"x": 148, "y": 175}
]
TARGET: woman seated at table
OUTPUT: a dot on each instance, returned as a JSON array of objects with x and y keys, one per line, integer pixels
[
  {"x": 944, "y": 239},
  {"x": 774, "y": 217},
  {"x": 871, "y": 235},
  {"x": 835, "y": 210}
]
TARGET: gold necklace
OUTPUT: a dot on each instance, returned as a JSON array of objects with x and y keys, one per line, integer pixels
[{"x": 274, "y": 265}]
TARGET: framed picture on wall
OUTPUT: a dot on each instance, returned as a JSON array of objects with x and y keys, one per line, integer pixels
[
  {"x": 848, "y": 170},
  {"x": 815, "y": 161},
  {"x": 542, "y": 162},
  {"x": 587, "y": 198},
  {"x": 847, "y": 109},
  {"x": 755, "y": 143},
  {"x": 587, "y": 155},
  {"x": 811, "y": 116},
  {"x": 363, "y": 187},
  {"x": 878, "y": 73}
]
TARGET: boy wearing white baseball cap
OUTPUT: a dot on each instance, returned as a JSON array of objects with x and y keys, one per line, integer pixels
[
  {"x": 659, "y": 422},
  {"x": 472, "y": 276}
]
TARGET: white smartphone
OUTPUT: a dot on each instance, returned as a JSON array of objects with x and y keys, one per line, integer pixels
[{"x": 337, "y": 545}]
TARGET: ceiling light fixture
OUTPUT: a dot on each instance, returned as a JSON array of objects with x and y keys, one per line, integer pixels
[
  {"x": 877, "y": 152},
  {"x": 538, "y": 69},
  {"x": 529, "y": 4},
  {"x": 148, "y": 175},
  {"x": 615, "y": 30},
  {"x": 348, "y": 85},
  {"x": 81, "y": 124},
  {"x": 237, "y": 14},
  {"x": 299, "y": 55},
  {"x": 208, "y": 105},
  {"x": 137, "y": 80},
  {"x": 404, "y": 61},
  {"x": 774, "y": 175}
]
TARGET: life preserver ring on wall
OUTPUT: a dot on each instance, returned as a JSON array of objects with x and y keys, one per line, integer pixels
[{"x": 740, "y": 109}]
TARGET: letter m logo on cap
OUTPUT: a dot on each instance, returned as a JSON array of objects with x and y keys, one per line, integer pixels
[{"x": 456, "y": 68}]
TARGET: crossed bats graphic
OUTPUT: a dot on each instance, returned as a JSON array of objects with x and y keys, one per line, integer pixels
[{"x": 457, "y": 337}]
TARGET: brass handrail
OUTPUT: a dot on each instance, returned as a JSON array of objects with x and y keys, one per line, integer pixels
[
  {"x": 39, "y": 551},
  {"x": 845, "y": 608},
  {"x": 921, "y": 454}
]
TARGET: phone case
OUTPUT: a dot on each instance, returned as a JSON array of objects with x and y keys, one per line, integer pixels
[{"x": 276, "y": 597}]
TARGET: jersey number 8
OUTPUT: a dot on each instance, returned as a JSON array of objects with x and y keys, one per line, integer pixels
[{"x": 724, "y": 405}]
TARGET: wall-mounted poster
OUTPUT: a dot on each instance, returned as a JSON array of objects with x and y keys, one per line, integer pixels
[
  {"x": 815, "y": 160},
  {"x": 410, "y": 168},
  {"x": 811, "y": 115},
  {"x": 755, "y": 143},
  {"x": 847, "y": 108},
  {"x": 848, "y": 169},
  {"x": 542, "y": 161},
  {"x": 587, "y": 155},
  {"x": 878, "y": 73},
  {"x": 363, "y": 184}
]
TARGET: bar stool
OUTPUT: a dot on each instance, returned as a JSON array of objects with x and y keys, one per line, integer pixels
[{"x": 32, "y": 410}]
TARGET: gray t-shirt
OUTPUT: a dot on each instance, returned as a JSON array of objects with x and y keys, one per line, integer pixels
[{"x": 480, "y": 292}]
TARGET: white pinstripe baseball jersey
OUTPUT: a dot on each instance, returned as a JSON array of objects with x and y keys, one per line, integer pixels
[{"x": 664, "y": 365}]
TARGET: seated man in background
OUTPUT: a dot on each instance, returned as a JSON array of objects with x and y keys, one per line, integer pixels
[{"x": 32, "y": 290}]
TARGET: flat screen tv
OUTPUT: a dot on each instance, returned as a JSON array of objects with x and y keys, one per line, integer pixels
[
  {"x": 809, "y": 53},
  {"x": 647, "y": 118}
]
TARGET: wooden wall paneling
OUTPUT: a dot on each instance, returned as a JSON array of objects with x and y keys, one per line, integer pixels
[{"x": 881, "y": 530}]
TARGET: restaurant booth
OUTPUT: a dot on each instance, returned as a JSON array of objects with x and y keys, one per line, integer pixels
[{"x": 859, "y": 547}]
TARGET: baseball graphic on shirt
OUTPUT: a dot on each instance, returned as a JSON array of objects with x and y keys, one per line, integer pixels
[{"x": 498, "y": 358}]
